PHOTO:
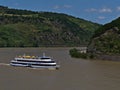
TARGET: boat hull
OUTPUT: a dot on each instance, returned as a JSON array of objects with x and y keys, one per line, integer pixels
[
  {"x": 47, "y": 67},
  {"x": 35, "y": 66},
  {"x": 19, "y": 65}
]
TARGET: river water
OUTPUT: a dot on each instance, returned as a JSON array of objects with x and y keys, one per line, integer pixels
[{"x": 74, "y": 74}]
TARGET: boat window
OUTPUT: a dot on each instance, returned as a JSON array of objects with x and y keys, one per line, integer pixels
[
  {"x": 19, "y": 63},
  {"x": 45, "y": 58}
]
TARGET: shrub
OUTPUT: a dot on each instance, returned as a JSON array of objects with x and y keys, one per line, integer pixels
[{"x": 76, "y": 54}]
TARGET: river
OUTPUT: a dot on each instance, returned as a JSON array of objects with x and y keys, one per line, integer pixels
[{"x": 74, "y": 74}]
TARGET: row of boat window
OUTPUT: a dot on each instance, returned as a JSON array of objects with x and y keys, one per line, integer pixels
[
  {"x": 37, "y": 61},
  {"x": 34, "y": 64},
  {"x": 44, "y": 58},
  {"x": 44, "y": 64},
  {"x": 38, "y": 58}
]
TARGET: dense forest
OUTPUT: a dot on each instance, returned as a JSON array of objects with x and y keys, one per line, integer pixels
[{"x": 24, "y": 28}]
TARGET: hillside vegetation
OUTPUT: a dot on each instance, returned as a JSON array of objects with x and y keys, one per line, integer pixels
[
  {"x": 106, "y": 39},
  {"x": 23, "y": 28}
]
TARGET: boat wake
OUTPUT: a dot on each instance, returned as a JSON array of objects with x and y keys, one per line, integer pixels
[{"x": 4, "y": 64}]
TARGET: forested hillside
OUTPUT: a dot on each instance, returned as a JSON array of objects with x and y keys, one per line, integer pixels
[
  {"x": 24, "y": 28},
  {"x": 106, "y": 39}
]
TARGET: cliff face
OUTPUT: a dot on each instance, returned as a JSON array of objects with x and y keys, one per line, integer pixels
[
  {"x": 106, "y": 40},
  {"x": 21, "y": 28}
]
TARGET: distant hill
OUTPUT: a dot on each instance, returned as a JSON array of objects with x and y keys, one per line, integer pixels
[
  {"x": 106, "y": 40},
  {"x": 24, "y": 28}
]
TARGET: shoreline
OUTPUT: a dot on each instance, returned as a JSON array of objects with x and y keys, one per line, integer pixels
[{"x": 108, "y": 57}]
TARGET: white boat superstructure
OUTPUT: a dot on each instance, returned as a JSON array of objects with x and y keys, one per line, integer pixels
[{"x": 34, "y": 62}]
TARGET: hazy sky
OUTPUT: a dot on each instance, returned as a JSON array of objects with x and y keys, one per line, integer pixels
[{"x": 100, "y": 11}]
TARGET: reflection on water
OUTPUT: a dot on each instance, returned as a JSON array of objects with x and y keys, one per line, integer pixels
[{"x": 74, "y": 74}]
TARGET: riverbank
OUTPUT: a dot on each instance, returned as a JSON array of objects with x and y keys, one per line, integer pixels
[
  {"x": 108, "y": 57},
  {"x": 82, "y": 53}
]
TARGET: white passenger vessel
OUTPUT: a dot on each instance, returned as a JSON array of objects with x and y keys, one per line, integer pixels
[{"x": 34, "y": 62}]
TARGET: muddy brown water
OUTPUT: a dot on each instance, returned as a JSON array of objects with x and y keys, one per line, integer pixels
[{"x": 74, "y": 74}]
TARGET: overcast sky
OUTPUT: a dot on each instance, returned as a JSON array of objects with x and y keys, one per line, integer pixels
[{"x": 99, "y": 11}]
